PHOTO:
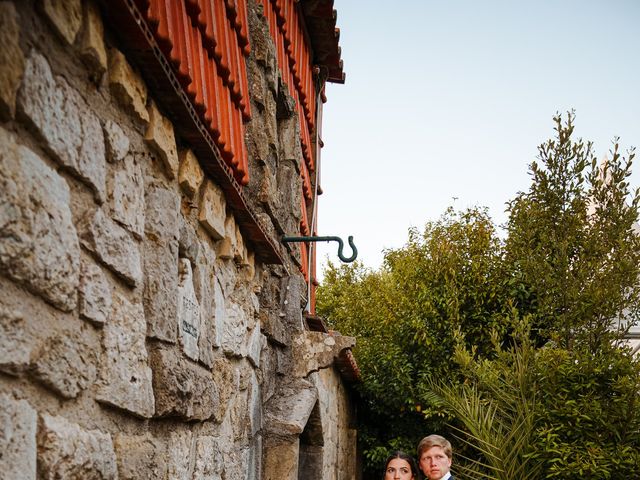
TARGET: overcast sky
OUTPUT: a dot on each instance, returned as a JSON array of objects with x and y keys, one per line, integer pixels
[{"x": 445, "y": 102}]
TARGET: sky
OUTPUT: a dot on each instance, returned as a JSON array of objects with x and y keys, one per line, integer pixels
[{"x": 445, "y": 103}]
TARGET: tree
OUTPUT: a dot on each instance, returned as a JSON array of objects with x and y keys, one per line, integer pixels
[
  {"x": 405, "y": 316},
  {"x": 571, "y": 242},
  {"x": 568, "y": 267}
]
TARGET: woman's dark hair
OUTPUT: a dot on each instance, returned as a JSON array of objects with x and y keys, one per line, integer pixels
[{"x": 408, "y": 458}]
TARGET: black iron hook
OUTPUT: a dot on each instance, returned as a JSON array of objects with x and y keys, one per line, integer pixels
[{"x": 328, "y": 239}]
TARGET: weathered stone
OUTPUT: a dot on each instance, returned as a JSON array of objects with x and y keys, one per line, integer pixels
[
  {"x": 239, "y": 415},
  {"x": 113, "y": 246},
  {"x": 234, "y": 329},
  {"x": 289, "y": 135},
  {"x": 63, "y": 120},
  {"x": 293, "y": 295},
  {"x": 254, "y": 463},
  {"x": 38, "y": 242},
  {"x": 209, "y": 463},
  {"x": 189, "y": 246},
  {"x": 127, "y": 199},
  {"x": 255, "y": 406},
  {"x": 11, "y": 59},
  {"x": 239, "y": 250},
  {"x": 188, "y": 311},
  {"x": 117, "y": 142},
  {"x": 140, "y": 457},
  {"x": 281, "y": 461},
  {"x": 95, "y": 294},
  {"x": 205, "y": 285},
  {"x": 274, "y": 329},
  {"x": 212, "y": 213},
  {"x": 190, "y": 174},
  {"x": 160, "y": 137},
  {"x": 125, "y": 376},
  {"x": 161, "y": 290},
  {"x": 66, "y": 363},
  {"x": 287, "y": 411},
  {"x": 127, "y": 87},
  {"x": 18, "y": 424},
  {"x": 92, "y": 49},
  {"x": 315, "y": 350},
  {"x": 65, "y": 16},
  {"x": 180, "y": 455},
  {"x": 235, "y": 463},
  {"x": 66, "y": 450},
  {"x": 256, "y": 342},
  {"x": 182, "y": 389},
  {"x": 163, "y": 214},
  {"x": 225, "y": 381},
  {"x": 15, "y": 347}
]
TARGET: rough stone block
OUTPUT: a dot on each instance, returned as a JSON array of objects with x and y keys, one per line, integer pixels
[
  {"x": 255, "y": 406},
  {"x": 206, "y": 285},
  {"x": 163, "y": 214},
  {"x": 125, "y": 376},
  {"x": 65, "y": 16},
  {"x": 127, "y": 199},
  {"x": 140, "y": 457},
  {"x": 190, "y": 175},
  {"x": 63, "y": 120},
  {"x": 11, "y": 59},
  {"x": 127, "y": 87},
  {"x": 18, "y": 424},
  {"x": 275, "y": 329},
  {"x": 225, "y": 380},
  {"x": 180, "y": 455},
  {"x": 92, "y": 49},
  {"x": 113, "y": 246},
  {"x": 293, "y": 298},
  {"x": 161, "y": 290},
  {"x": 188, "y": 312},
  {"x": 281, "y": 461},
  {"x": 315, "y": 350},
  {"x": 38, "y": 242},
  {"x": 189, "y": 246},
  {"x": 95, "y": 294},
  {"x": 66, "y": 450},
  {"x": 213, "y": 210},
  {"x": 117, "y": 142},
  {"x": 66, "y": 363},
  {"x": 15, "y": 347},
  {"x": 289, "y": 135},
  {"x": 182, "y": 388},
  {"x": 234, "y": 329},
  {"x": 256, "y": 342},
  {"x": 287, "y": 411},
  {"x": 160, "y": 137},
  {"x": 209, "y": 462}
]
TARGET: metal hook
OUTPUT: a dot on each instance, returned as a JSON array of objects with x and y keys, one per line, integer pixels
[{"x": 328, "y": 239}]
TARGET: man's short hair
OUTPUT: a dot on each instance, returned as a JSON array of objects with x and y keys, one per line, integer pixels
[{"x": 435, "y": 441}]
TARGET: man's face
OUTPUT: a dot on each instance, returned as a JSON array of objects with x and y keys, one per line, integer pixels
[{"x": 434, "y": 463}]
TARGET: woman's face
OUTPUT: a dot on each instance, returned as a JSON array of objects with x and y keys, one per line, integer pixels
[{"x": 398, "y": 469}]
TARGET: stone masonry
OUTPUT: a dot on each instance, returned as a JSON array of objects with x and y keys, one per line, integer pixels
[{"x": 141, "y": 334}]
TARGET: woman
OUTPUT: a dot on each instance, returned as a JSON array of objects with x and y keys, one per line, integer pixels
[{"x": 400, "y": 466}]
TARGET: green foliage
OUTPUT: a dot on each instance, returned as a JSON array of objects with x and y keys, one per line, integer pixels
[
  {"x": 440, "y": 327},
  {"x": 496, "y": 404},
  {"x": 571, "y": 242},
  {"x": 405, "y": 317},
  {"x": 588, "y": 418}
]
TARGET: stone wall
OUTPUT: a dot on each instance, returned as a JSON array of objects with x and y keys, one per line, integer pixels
[{"x": 139, "y": 335}]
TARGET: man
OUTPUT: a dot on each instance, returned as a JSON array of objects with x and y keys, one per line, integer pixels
[{"x": 434, "y": 457}]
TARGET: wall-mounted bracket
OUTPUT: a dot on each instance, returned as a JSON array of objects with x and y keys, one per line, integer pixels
[{"x": 327, "y": 239}]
